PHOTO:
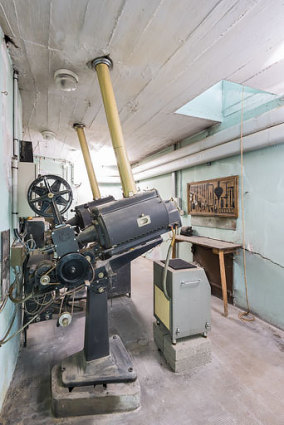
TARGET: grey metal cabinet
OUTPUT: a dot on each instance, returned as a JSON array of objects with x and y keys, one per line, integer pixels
[{"x": 188, "y": 310}]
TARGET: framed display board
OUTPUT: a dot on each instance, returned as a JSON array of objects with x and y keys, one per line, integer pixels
[{"x": 217, "y": 197}]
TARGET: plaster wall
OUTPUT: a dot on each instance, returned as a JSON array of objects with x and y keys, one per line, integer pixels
[
  {"x": 264, "y": 210},
  {"x": 9, "y": 351}
]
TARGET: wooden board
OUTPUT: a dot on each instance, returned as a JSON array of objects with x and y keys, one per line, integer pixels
[
  {"x": 217, "y": 197},
  {"x": 208, "y": 242}
]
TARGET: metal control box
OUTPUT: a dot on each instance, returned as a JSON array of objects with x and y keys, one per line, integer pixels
[{"x": 188, "y": 310}]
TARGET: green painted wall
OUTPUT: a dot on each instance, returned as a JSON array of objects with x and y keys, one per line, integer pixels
[
  {"x": 9, "y": 351},
  {"x": 264, "y": 212},
  {"x": 162, "y": 183}
]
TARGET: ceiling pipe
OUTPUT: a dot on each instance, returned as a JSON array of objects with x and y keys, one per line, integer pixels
[
  {"x": 261, "y": 122},
  {"x": 88, "y": 162},
  {"x": 258, "y": 140},
  {"x": 102, "y": 65}
]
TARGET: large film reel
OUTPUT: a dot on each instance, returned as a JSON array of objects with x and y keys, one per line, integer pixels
[{"x": 50, "y": 196}]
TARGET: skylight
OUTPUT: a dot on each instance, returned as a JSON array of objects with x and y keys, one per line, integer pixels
[{"x": 224, "y": 99}]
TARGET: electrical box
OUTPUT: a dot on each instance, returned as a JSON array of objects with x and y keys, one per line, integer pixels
[
  {"x": 27, "y": 174},
  {"x": 26, "y": 151},
  {"x": 188, "y": 312},
  {"x": 18, "y": 254}
]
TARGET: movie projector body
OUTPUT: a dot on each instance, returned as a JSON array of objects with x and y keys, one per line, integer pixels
[{"x": 88, "y": 252}]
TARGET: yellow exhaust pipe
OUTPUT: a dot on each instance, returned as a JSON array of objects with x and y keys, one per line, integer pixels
[
  {"x": 88, "y": 162},
  {"x": 102, "y": 65}
]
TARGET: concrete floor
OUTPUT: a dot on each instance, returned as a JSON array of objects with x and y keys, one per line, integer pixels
[{"x": 243, "y": 385}]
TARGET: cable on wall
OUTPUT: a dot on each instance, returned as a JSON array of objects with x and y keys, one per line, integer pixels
[{"x": 244, "y": 316}]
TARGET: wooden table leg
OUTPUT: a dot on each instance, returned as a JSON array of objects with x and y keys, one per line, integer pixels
[{"x": 223, "y": 281}]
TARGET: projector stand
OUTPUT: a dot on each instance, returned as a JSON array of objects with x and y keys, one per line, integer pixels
[{"x": 100, "y": 378}]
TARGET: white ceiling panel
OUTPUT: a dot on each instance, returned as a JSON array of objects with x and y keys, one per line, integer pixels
[{"x": 165, "y": 53}]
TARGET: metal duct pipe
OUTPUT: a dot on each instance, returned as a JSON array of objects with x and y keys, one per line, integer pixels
[
  {"x": 261, "y": 139},
  {"x": 88, "y": 162},
  {"x": 261, "y": 122},
  {"x": 102, "y": 65},
  {"x": 16, "y": 153}
]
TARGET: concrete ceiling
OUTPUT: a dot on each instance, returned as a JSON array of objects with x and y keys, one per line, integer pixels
[{"x": 165, "y": 53}]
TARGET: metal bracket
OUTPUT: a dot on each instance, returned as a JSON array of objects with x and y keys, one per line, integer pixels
[{"x": 103, "y": 59}]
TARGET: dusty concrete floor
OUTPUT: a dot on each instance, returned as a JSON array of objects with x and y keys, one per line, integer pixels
[{"x": 243, "y": 385}]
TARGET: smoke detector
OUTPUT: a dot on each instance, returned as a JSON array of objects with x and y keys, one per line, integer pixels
[
  {"x": 48, "y": 135},
  {"x": 66, "y": 80}
]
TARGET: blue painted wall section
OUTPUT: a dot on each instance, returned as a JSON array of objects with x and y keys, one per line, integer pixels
[{"x": 9, "y": 351}]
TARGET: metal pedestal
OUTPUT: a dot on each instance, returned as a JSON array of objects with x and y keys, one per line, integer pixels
[
  {"x": 116, "y": 367},
  {"x": 96, "y": 343},
  {"x": 102, "y": 360},
  {"x": 103, "y": 363}
]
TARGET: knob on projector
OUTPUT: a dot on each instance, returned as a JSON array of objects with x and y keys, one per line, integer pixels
[{"x": 65, "y": 319}]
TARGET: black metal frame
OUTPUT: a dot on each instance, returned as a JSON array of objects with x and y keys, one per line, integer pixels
[{"x": 103, "y": 360}]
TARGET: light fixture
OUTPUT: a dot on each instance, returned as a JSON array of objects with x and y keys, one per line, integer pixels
[
  {"x": 48, "y": 135},
  {"x": 66, "y": 80}
]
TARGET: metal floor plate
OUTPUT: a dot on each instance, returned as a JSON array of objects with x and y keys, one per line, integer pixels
[{"x": 117, "y": 367}]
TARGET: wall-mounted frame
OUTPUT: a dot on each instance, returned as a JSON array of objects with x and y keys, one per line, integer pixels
[
  {"x": 5, "y": 264},
  {"x": 214, "y": 198}
]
